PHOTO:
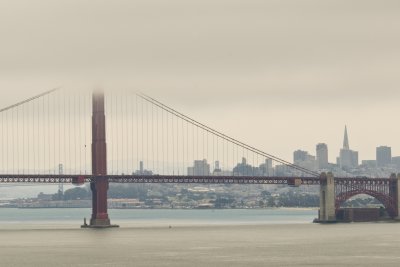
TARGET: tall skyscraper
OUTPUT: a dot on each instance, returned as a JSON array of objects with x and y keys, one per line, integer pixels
[
  {"x": 322, "y": 156},
  {"x": 346, "y": 139},
  {"x": 348, "y": 158},
  {"x": 267, "y": 168},
  {"x": 200, "y": 168},
  {"x": 383, "y": 156}
]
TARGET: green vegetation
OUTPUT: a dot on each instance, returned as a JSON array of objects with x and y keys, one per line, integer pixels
[{"x": 184, "y": 196}]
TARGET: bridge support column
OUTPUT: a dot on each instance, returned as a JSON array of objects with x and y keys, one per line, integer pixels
[
  {"x": 327, "y": 212},
  {"x": 99, "y": 186}
]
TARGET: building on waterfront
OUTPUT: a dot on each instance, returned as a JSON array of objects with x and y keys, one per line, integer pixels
[
  {"x": 200, "y": 168},
  {"x": 383, "y": 156},
  {"x": 322, "y": 156},
  {"x": 348, "y": 158}
]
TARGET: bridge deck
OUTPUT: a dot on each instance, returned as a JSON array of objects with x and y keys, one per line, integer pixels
[{"x": 53, "y": 179}]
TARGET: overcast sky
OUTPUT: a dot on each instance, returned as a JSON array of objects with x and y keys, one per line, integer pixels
[{"x": 279, "y": 75}]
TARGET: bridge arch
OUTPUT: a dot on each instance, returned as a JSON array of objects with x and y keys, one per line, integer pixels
[{"x": 387, "y": 201}]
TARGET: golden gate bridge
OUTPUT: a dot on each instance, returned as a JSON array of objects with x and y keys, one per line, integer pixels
[{"x": 103, "y": 138}]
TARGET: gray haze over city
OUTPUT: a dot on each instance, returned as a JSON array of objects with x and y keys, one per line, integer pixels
[{"x": 279, "y": 75}]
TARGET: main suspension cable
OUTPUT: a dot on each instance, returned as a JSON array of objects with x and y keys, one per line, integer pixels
[{"x": 223, "y": 136}]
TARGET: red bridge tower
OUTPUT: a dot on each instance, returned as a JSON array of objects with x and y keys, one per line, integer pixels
[{"x": 99, "y": 186}]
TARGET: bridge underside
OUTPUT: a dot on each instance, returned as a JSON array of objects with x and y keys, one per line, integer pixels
[{"x": 387, "y": 201}]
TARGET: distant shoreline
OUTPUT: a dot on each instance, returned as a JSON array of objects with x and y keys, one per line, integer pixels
[{"x": 160, "y": 208}]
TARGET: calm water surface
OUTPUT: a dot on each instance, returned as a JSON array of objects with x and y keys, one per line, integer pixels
[
  {"x": 156, "y": 216},
  {"x": 280, "y": 237}
]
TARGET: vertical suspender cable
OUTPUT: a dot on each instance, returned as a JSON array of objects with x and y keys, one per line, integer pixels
[
  {"x": 33, "y": 136},
  {"x": 134, "y": 125},
  {"x": 127, "y": 132},
  {"x": 174, "y": 152},
  {"x": 157, "y": 142},
  {"x": 38, "y": 137},
  {"x": 207, "y": 155},
  {"x": 116, "y": 133},
  {"x": 2, "y": 145},
  {"x": 163, "y": 141},
  {"x": 137, "y": 133},
  {"x": 80, "y": 134},
  {"x": 183, "y": 148},
  {"x": 193, "y": 145},
  {"x": 173, "y": 144},
  {"x": 64, "y": 131},
  {"x": 147, "y": 135},
  {"x": 152, "y": 135},
  {"x": 44, "y": 136},
  {"x": 213, "y": 151},
  {"x": 69, "y": 134},
  {"x": 13, "y": 141},
  {"x": 187, "y": 145},
  {"x": 59, "y": 128},
  {"x": 17, "y": 143},
  {"x": 112, "y": 132},
  {"x": 49, "y": 140},
  {"x": 55, "y": 134},
  {"x": 177, "y": 146},
  {"x": 197, "y": 141},
  {"x": 122, "y": 129},
  {"x": 166, "y": 124},
  {"x": 142, "y": 135}
]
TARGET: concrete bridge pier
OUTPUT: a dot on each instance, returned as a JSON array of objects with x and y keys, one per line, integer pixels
[{"x": 327, "y": 212}]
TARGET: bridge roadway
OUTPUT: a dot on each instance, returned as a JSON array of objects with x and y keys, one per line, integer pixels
[{"x": 169, "y": 179}]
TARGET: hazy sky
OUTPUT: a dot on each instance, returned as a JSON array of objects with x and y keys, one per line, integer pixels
[{"x": 280, "y": 75}]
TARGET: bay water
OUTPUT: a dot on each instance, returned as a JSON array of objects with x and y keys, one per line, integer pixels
[{"x": 265, "y": 237}]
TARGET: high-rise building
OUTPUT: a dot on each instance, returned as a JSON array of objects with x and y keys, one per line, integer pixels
[
  {"x": 348, "y": 158},
  {"x": 267, "y": 168},
  {"x": 346, "y": 139},
  {"x": 383, "y": 156},
  {"x": 299, "y": 156},
  {"x": 305, "y": 160},
  {"x": 200, "y": 168},
  {"x": 396, "y": 161},
  {"x": 322, "y": 156}
]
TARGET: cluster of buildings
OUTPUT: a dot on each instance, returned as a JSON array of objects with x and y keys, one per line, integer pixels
[
  {"x": 347, "y": 163},
  {"x": 203, "y": 168}
]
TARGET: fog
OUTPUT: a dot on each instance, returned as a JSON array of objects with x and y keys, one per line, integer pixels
[{"x": 279, "y": 75}]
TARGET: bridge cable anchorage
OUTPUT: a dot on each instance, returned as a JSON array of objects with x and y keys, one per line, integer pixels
[{"x": 223, "y": 136}]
